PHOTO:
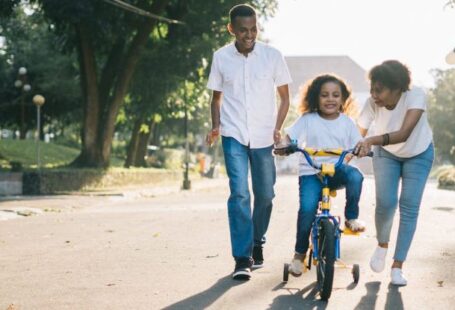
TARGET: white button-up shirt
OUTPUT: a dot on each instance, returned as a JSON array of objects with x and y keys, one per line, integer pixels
[{"x": 248, "y": 84}]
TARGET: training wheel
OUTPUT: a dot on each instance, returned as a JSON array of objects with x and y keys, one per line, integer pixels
[
  {"x": 356, "y": 273},
  {"x": 286, "y": 273}
]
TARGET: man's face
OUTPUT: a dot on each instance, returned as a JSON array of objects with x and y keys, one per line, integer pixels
[{"x": 245, "y": 31}]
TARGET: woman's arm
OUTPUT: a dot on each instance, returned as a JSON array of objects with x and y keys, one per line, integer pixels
[{"x": 411, "y": 119}]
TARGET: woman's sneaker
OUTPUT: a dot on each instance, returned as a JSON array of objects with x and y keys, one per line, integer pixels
[
  {"x": 297, "y": 265},
  {"x": 398, "y": 277},
  {"x": 355, "y": 225},
  {"x": 377, "y": 261},
  {"x": 242, "y": 269}
]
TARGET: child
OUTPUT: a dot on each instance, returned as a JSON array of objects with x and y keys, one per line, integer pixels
[{"x": 323, "y": 125}]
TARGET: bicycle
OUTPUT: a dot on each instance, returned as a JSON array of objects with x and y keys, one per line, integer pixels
[{"x": 325, "y": 232}]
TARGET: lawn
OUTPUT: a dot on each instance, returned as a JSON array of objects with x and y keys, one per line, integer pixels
[{"x": 52, "y": 155}]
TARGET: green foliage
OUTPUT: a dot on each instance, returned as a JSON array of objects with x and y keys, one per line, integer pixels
[
  {"x": 442, "y": 114},
  {"x": 31, "y": 43}
]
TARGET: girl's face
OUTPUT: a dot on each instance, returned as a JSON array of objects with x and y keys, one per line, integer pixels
[
  {"x": 330, "y": 100},
  {"x": 384, "y": 96}
]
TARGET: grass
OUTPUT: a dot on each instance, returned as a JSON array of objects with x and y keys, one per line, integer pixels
[{"x": 51, "y": 155}]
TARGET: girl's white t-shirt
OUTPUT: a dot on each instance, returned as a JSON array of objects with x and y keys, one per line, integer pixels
[
  {"x": 387, "y": 121},
  {"x": 311, "y": 130}
]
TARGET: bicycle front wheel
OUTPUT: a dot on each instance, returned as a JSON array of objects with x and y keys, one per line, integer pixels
[{"x": 326, "y": 258}]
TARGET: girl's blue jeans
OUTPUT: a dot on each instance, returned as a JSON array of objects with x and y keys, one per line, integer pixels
[
  {"x": 310, "y": 192},
  {"x": 413, "y": 173},
  {"x": 248, "y": 228}
]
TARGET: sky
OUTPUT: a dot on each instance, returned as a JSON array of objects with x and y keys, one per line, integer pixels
[{"x": 419, "y": 33}]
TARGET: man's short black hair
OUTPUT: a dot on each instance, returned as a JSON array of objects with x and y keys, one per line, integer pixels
[{"x": 241, "y": 10}]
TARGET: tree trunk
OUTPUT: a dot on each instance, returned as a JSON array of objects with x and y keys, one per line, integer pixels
[
  {"x": 90, "y": 155},
  {"x": 100, "y": 111},
  {"x": 139, "y": 161},
  {"x": 137, "y": 149},
  {"x": 132, "y": 146}
]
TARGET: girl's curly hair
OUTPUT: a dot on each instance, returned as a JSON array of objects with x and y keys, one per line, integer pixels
[{"x": 309, "y": 96}]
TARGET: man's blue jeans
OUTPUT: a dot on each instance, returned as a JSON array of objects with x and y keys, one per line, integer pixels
[
  {"x": 413, "y": 172},
  {"x": 310, "y": 192},
  {"x": 248, "y": 228}
]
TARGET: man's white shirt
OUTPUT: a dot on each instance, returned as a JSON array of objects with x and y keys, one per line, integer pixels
[{"x": 248, "y": 85}]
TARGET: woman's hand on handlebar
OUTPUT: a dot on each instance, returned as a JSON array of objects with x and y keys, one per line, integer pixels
[{"x": 363, "y": 148}]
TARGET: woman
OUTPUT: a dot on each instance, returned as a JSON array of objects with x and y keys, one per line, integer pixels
[{"x": 404, "y": 151}]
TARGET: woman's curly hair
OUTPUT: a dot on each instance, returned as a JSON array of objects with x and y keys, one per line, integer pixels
[{"x": 309, "y": 96}]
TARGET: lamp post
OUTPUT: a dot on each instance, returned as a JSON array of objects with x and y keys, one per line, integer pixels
[
  {"x": 38, "y": 100},
  {"x": 186, "y": 180},
  {"x": 450, "y": 58},
  {"x": 22, "y": 84}
]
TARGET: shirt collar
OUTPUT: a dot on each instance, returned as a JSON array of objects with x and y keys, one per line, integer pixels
[{"x": 256, "y": 50}]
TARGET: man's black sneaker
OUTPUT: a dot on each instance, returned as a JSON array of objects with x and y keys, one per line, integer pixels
[
  {"x": 257, "y": 257},
  {"x": 242, "y": 269}
]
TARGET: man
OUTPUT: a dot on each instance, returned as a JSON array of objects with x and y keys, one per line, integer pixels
[{"x": 244, "y": 78}]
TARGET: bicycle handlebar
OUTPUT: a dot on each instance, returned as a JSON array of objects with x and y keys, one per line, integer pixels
[{"x": 308, "y": 152}]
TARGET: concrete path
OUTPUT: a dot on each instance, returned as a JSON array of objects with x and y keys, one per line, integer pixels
[{"x": 170, "y": 249}]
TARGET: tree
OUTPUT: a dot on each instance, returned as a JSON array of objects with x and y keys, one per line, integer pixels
[
  {"x": 442, "y": 114},
  {"x": 109, "y": 43},
  {"x": 29, "y": 42}
]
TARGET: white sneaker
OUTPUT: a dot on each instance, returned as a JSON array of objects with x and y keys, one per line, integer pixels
[
  {"x": 296, "y": 266},
  {"x": 377, "y": 261},
  {"x": 398, "y": 277},
  {"x": 355, "y": 225}
]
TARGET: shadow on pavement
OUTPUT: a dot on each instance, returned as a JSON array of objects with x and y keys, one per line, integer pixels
[
  {"x": 394, "y": 300},
  {"x": 369, "y": 300},
  {"x": 204, "y": 299},
  {"x": 297, "y": 300}
]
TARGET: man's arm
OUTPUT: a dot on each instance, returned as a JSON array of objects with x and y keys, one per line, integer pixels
[
  {"x": 283, "y": 92},
  {"x": 215, "y": 107}
]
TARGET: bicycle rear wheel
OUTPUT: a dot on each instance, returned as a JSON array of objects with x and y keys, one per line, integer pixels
[{"x": 326, "y": 258}]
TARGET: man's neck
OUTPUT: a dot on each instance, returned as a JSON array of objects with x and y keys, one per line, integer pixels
[{"x": 244, "y": 52}]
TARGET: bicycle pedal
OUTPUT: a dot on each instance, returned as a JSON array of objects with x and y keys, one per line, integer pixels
[{"x": 348, "y": 231}]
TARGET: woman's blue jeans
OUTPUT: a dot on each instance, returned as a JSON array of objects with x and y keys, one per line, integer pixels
[
  {"x": 310, "y": 191},
  {"x": 413, "y": 172},
  {"x": 248, "y": 228}
]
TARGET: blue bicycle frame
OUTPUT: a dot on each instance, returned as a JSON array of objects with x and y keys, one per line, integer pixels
[{"x": 325, "y": 202}]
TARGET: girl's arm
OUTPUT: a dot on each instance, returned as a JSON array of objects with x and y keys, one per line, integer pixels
[{"x": 410, "y": 121}]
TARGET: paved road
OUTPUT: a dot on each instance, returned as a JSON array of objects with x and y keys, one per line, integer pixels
[{"x": 172, "y": 251}]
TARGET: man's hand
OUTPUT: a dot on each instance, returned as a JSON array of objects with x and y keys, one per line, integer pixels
[
  {"x": 276, "y": 136},
  {"x": 212, "y": 136}
]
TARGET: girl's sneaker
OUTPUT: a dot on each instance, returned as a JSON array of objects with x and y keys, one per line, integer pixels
[
  {"x": 297, "y": 265},
  {"x": 377, "y": 261},
  {"x": 355, "y": 225},
  {"x": 398, "y": 277}
]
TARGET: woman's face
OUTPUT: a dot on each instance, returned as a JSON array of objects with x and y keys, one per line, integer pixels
[{"x": 384, "y": 96}]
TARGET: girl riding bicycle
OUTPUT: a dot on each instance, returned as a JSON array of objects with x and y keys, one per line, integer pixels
[{"x": 324, "y": 123}]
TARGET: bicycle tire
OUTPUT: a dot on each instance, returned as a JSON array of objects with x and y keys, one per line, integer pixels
[{"x": 326, "y": 258}]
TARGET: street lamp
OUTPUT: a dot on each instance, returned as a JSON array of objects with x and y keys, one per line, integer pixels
[
  {"x": 186, "y": 180},
  {"x": 38, "y": 100},
  {"x": 22, "y": 84},
  {"x": 450, "y": 58}
]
